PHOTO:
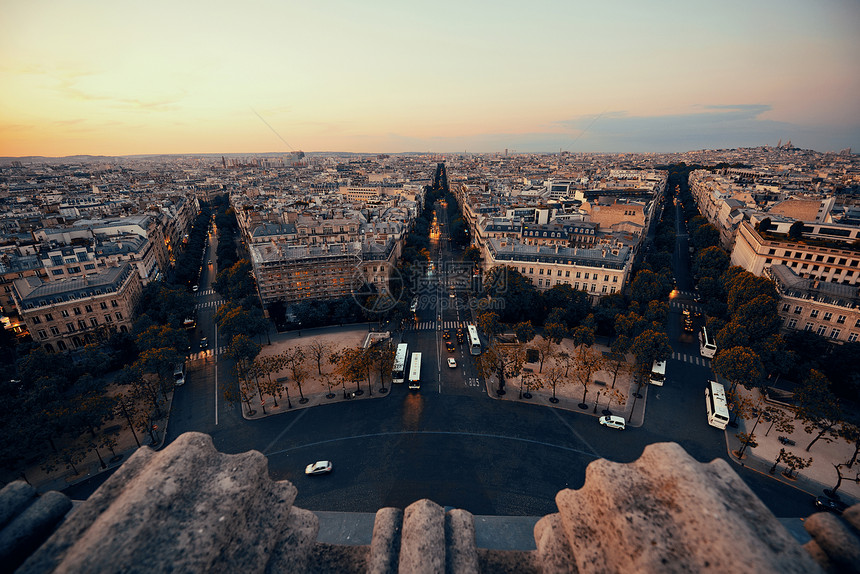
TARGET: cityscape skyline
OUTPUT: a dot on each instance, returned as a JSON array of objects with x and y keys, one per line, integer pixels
[{"x": 385, "y": 77}]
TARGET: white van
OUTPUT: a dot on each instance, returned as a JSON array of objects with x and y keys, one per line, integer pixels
[
  {"x": 658, "y": 373},
  {"x": 179, "y": 374}
]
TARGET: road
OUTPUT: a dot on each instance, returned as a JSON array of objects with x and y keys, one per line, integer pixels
[{"x": 449, "y": 441}]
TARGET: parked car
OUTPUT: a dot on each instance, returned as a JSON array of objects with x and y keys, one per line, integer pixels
[
  {"x": 830, "y": 505},
  {"x": 613, "y": 422},
  {"x": 319, "y": 467},
  {"x": 204, "y": 343},
  {"x": 452, "y": 362}
]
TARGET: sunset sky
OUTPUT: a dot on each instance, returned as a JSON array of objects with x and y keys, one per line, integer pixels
[{"x": 116, "y": 78}]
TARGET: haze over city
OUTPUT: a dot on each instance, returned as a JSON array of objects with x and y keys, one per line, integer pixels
[{"x": 99, "y": 77}]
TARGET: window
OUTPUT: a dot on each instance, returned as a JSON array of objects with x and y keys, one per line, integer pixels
[
  {"x": 108, "y": 319},
  {"x": 64, "y": 312},
  {"x": 49, "y": 317},
  {"x": 94, "y": 322},
  {"x": 77, "y": 310},
  {"x": 54, "y": 330},
  {"x": 852, "y": 337},
  {"x": 540, "y": 271},
  {"x": 559, "y": 273},
  {"x": 43, "y": 334},
  {"x": 822, "y": 330},
  {"x": 593, "y": 287},
  {"x": 57, "y": 271},
  {"x": 531, "y": 269},
  {"x": 36, "y": 320},
  {"x": 586, "y": 275},
  {"x": 605, "y": 289},
  {"x": 606, "y": 277},
  {"x": 808, "y": 327},
  {"x": 834, "y": 334},
  {"x": 577, "y": 274},
  {"x": 792, "y": 323},
  {"x": 576, "y": 286},
  {"x": 103, "y": 305},
  {"x": 88, "y": 308},
  {"x": 828, "y": 316},
  {"x": 567, "y": 273},
  {"x": 70, "y": 327},
  {"x": 786, "y": 308},
  {"x": 614, "y": 279},
  {"x": 841, "y": 319},
  {"x": 813, "y": 313},
  {"x": 81, "y": 324},
  {"x": 540, "y": 282},
  {"x": 89, "y": 266},
  {"x": 611, "y": 291},
  {"x": 61, "y": 345}
]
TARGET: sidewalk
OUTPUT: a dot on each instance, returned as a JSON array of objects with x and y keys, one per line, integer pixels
[
  {"x": 569, "y": 395},
  {"x": 315, "y": 388},
  {"x": 813, "y": 479}
]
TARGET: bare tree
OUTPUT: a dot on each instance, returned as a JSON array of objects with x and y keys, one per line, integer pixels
[
  {"x": 319, "y": 350},
  {"x": 588, "y": 362},
  {"x": 783, "y": 421}
]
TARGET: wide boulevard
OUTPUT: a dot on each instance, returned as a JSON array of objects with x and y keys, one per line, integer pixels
[{"x": 450, "y": 441}]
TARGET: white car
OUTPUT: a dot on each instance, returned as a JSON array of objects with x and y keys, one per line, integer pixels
[
  {"x": 613, "y": 422},
  {"x": 452, "y": 363},
  {"x": 319, "y": 467}
]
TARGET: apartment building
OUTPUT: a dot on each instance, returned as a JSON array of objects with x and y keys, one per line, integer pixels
[
  {"x": 831, "y": 310},
  {"x": 598, "y": 272},
  {"x": 825, "y": 254},
  {"x": 71, "y": 313}
]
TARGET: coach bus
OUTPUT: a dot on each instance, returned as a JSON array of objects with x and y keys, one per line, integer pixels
[
  {"x": 715, "y": 402},
  {"x": 398, "y": 373},
  {"x": 415, "y": 372},
  {"x": 474, "y": 341},
  {"x": 658, "y": 373}
]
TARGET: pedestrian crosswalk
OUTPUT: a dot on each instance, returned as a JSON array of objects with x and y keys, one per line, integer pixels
[
  {"x": 210, "y": 304},
  {"x": 687, "y": 306},
  {"x": 206, "y": 292},
  {"x": 692, "y": 359},
  {"x": 436, "y": 325},
  {"x": 690, "y": 294},
  {"x": 207, "y": 353}
]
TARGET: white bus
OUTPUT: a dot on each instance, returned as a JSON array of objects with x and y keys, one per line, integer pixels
[
  {"x": 415, "y": 372},
  {"x": 474, "y": 341},
  {"x": 658, "y": 373},
  {"x": 398, "y": 373},
  {"x": 715, "y": 401},
  {"x": 707, "y": 346}
]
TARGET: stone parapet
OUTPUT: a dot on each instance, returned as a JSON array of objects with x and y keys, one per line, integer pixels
[{"x": 190, "y": 508}]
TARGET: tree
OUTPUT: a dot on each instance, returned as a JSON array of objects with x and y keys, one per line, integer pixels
[
  {"x": 588, "y": 362},
  {"x": 555, "y": 376},
  {"x": 840, "y": 477},
  {"x": 818, "y": 408},
  {"x": 705, "y": 236},
  {"x": 649, "y": 286},
  {"x": 544, "y": 347},
  {"x": 488, "y": 322},
  {"x": 851, "y": 433},
  {"x": 795, "y": 463},
  {"x": 795, "y": 232},
  {"x": 319, "y": 350},
  {"x": 524, "y": 331},
  {"x": 472, "y": 254},
  {"x": 501, "y": 361},
  {"x": 295, "y": 360},
  {"x": 780, "y": 419},
  {"x": 530, "y": 382},
  {"x": 764, "y": 225},
  {"x": 738, "y": 365},
  {"x": 710, "y": 262}
]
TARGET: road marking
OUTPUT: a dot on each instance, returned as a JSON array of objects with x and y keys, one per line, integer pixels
[
  {"x": 576, "y": 434},
  {"x": 286, "y": 429},
  {"x": 446, "y": 433}
]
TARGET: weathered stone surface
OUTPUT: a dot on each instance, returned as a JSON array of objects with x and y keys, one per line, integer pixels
[
  {"x": 852, "y": 517},
  {"x": 292, "y": 552},
  {"x": 187, "y": 508},
  {"x": 553, "y": 551},
  {"x": 385, "y": 544},
  {"x": 422, "y": 546},
  {"x": 336, "y": 559},
  {"x": 836, "y": 539},
  {"x": 461, "y": 554},
  {"x": 820, "y": 556},
  {"x": 14, "y": 498},
  {"x": 666, "y": 512},
  {"x": 31, "y": 527}
]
